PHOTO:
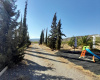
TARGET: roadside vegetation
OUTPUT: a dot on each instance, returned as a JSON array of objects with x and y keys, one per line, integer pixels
[
  {"x": 81, "y": 41},
  {"x": 54, "y": 39},
  {"x": 14, "y": 37},
  {"x": 55, "y": 42}
]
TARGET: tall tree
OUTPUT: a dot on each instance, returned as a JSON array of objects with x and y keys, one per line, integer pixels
[
  {"x": 20, "y": 30},
  {"x": 40, "y": 42},
  {"x": 42, "y": 36},
  {"x": 25, "y": 26},
  {"x": 8, "y": 24},
  {"x": 10, "y": 31},
  {"x": 53, "y": 31},
  {"x": 59, "y": 35},
  {"x": 46, "y": 37}
]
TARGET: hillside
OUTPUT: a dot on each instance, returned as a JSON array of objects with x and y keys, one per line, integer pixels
[
  {"x": 34, "y": 40},
  {"x": 96, "y": 35}
]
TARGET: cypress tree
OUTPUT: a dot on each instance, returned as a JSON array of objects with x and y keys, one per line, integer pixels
[
  {"x": 53, "y": 31},
  {"x": 59, "y": 35},
  {"x": 25, "y": 26},
  {"x": 40, "y": 42},
  {"x": 46, "y": 38},
  {"x": 5, "y": 21},
  {"x": 10, "y": 35},
  {"x": 58, "y": 41},
  {"x": 42, "y": 36},
  {"x": 28, "y": 42},
  {"x": 8, "y": 25},
  {"x": 8, "y": 30},
  {"x": 20, "y": 30}
]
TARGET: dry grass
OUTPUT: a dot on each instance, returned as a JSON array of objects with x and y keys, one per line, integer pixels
[
  {"x": 24, "y": 62},
  {"x": 80, "y": 68},
  {"x": 48, "y": 49},
  {"x": 67, "y": 47}
]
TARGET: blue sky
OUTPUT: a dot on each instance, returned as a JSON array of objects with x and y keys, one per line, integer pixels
[{"x": 78, "y": 17}]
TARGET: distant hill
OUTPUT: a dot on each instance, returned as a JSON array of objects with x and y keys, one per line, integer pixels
[
  {"x": 96, "y": 35},
  {"x": 34, "y": 40},
  {"x": 67, "y": 39}
]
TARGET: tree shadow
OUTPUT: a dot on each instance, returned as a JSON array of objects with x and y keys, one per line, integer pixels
[
  {"x": 43, "y": 53},
  {"x": 32, "y": 70},
  {"x": 44, "y": 57},
  {"x": 86, "y": 64},
  {"x": 74, "y": 52},
  {"x": 32, "y": 48},
  {"x": 79, "y": 52}
]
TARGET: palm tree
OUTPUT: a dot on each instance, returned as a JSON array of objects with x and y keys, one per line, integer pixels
[{"x": 85, "y": 41}]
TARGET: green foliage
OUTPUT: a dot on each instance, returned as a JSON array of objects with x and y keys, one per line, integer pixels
[
  {"x": 53, "y": 35},
  {"x": 40, "y": 42},
  {"x": 35, "y": 42},
  {"x": 25, "y": 26},
  {"x": 41, "y": 37},
  {"x": 59, "y": 36},
  {"x": 46, "y": 38},
  {"x": 13, "y": 35},
  {"x": 49, "y": 42},
  {"x": 71, "y": 42},
  {"x": 85, "y": 41},
  {"x": 82, "y": 41},
  {"x": 64, "y": 42},
  {"x": 97, "y": 41}
]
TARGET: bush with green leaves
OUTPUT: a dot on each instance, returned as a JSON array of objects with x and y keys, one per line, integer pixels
[
  {"x": 81, "y": 41},
  {"x": 85, "y": 41},
  {"x": 14, "y": 36},
  {"x": 71, "y": 42}
]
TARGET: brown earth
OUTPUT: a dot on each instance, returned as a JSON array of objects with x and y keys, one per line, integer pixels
[{"x": 43, "y": 64}]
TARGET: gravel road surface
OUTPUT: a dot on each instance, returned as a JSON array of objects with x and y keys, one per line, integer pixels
[{"x": 40, "y": 64}]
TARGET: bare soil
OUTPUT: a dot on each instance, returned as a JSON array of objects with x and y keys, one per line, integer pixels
[{"x": 43, "y": 64}]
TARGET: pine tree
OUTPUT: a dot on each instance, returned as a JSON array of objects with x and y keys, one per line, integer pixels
[
  {"x": 46, "y": 38},
  {"x": 59, "y": 35},
  {"x": 53, "y": 31}
]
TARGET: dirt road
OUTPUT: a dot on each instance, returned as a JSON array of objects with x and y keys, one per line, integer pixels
[{"x": 42, "y": 65}]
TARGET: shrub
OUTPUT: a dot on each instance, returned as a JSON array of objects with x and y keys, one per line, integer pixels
[
  {"x": 71, "y": 42},
  {"x": 85, "y": 41}
]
